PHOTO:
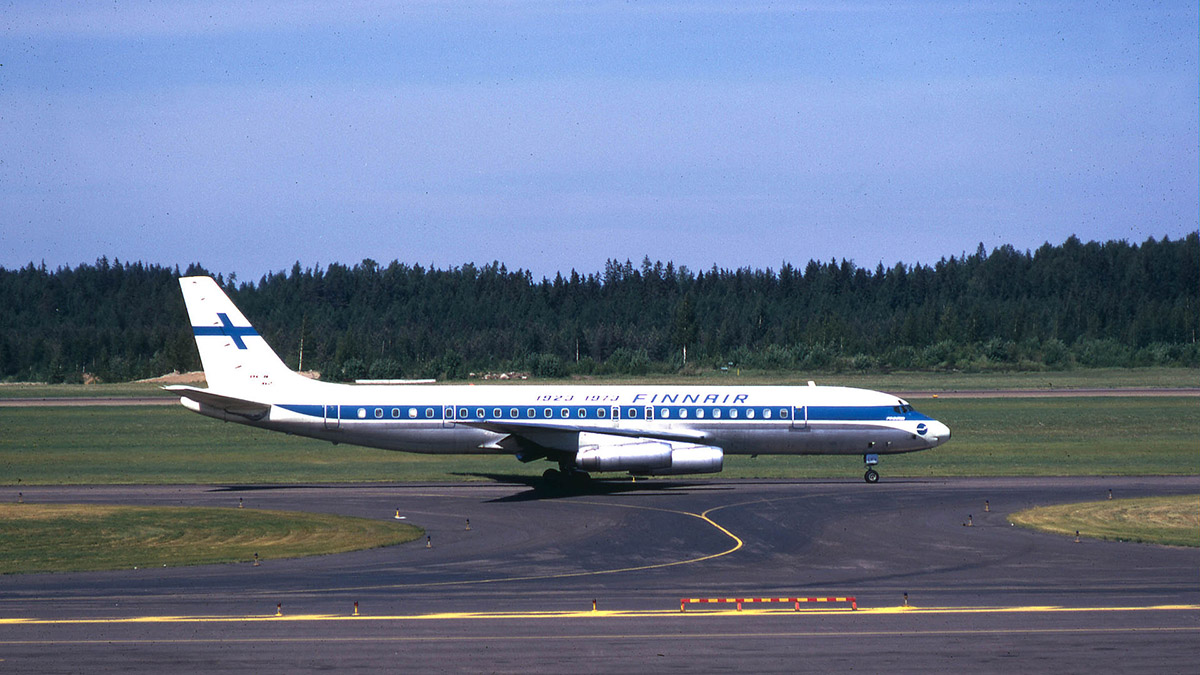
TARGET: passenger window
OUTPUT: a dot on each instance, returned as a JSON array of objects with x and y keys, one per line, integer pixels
[
  {"x": 783, "y": 413},
  {"x": 395, "y": 413},
  {"x": 601, "y": 412},
  {"x": 750, "y": 414},
  {"x": 530, "y": 413},
  {"x": 379, "y": 413},
  {"x": 496, "y": 412},
  {"x": 412, "y": 413},
  {"x": 733, "y": 414},
  {"x": 362, "y": 413},
  {"x": 766, "y": 413},
  {"x": 664, "y": 413},
  {"x": 479, "y": 413},
  {"x": 582, "y": 413},
  {"x": 716, "y": 413},
  {"x": 463, "y": 413},
  {"x": 631, "y": 413},
  {"x": 429, "y": 413},
  {"x": 547, "y": 413},
  {"x": 683, "y": 413},
  {"x": 565, "y": 413},
  {"x": 700, "y": 413}
]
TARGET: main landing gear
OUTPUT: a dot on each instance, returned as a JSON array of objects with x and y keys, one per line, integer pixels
[
  {"x": 566, "y": 477},
  {"x": 871, "y": 476}
]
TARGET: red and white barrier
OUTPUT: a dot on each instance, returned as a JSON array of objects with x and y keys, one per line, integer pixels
[{"x": 684, "y": 601}]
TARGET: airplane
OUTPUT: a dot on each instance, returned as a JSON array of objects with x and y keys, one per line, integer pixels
[{"x": 653, "y": 430}]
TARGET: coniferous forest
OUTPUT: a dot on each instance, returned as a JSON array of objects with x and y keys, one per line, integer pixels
[{"x": 1072, "y": 305}]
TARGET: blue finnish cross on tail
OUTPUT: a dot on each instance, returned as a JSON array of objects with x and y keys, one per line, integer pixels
[{"x": 226, "y": 329}]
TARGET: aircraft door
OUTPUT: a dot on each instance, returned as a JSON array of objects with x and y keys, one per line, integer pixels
[
  {"x": 333, "y": 420},
  {"x": 448, "y": 416},
  {"x": 800, "y": 417}
]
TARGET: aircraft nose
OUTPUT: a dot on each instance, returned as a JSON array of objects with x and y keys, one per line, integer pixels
[{"x": 938, "y": 433}]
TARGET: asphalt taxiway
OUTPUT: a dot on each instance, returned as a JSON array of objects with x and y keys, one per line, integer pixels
[{"x": 515, "y": 591}]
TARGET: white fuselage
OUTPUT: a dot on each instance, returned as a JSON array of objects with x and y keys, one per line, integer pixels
[{"x": 473, "y": 419}]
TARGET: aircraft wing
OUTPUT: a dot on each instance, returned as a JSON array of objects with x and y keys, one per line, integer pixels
[
  {"x": 531, "y": 428},
  {"x": 239, "y": 407},
  {"x": 565, "y": 437}
]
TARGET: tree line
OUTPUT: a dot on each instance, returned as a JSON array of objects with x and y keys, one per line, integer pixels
[{"x": 1072, "y": 305}]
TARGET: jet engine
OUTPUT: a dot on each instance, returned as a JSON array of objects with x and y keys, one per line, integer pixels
[{"x": 649, "y": 456}]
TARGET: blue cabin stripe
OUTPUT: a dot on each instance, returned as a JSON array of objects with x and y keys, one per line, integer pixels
[{"x": 430, "y": 411}]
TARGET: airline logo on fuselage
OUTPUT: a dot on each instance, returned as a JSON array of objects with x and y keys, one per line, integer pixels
[
  {"x": 703, "y": 399},
  {"x": 645, "y": 399}
]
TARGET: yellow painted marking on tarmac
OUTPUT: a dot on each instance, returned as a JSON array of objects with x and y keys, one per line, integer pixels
[
  {"x": 738, "y": 543},
  {"x": 589, "y": 614},
  {"x": 1029, "y": 609}
]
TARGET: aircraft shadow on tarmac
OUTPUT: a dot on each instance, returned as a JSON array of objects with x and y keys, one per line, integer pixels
[{"x": 540, "y": 488}]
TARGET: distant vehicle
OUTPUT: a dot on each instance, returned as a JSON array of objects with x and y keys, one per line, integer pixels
[{"x": 642, "y": 430}]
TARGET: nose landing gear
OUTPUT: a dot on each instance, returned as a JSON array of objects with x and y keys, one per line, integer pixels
[{"x": 871, "y": 476}]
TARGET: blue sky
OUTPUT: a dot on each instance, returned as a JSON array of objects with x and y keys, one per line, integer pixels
[{"x": 552, "y": 136}]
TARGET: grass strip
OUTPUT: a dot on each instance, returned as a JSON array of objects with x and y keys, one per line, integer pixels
[
  {"x": 900, "y": 380},
  {"x": 80, "y": 537},
  {"x": 1174, "y": 521},
  {"x": 992, "y": 437}
]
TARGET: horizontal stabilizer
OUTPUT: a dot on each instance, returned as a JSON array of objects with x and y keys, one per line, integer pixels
[{"x": 239, "y": 407}]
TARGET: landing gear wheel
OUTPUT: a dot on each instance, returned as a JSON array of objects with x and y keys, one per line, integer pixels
[
  {"x": 551, "y": 475},
  {"x": 871, "y": 476}
]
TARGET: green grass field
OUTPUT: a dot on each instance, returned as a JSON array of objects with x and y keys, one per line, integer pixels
[
  {"x": 992, "y": 437},
  {"x": 76, "y": 537},
  {"x": 1083, "y": 378},
  {"x": 1173, "y": 521},
  {"x": 156, "y": 445}
]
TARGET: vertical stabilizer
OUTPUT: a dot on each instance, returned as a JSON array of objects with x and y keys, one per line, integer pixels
[{"x": 236, "y": 359}]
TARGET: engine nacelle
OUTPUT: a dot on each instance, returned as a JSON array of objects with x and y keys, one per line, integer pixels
[
  {"x": 601, "y": 452},
  {"x": 693, "y": 459},
  {"x": 642, "y": 455}
]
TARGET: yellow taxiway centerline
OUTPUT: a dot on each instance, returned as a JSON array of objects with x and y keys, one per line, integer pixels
[{"x": 586, "y": 614}]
